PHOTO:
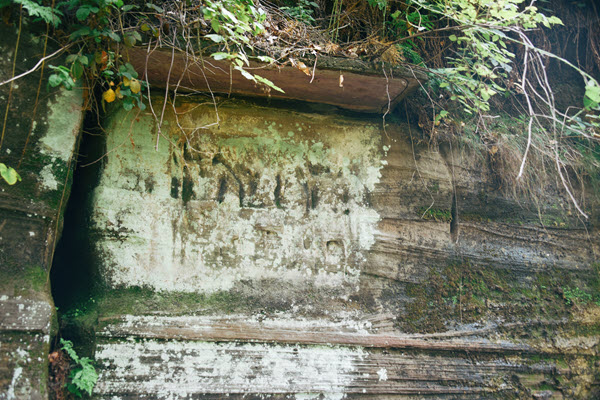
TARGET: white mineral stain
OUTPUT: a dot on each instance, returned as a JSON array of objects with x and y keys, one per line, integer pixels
[
  {"x": 201, "y": 367},
  {"x": 10, "y": 393},
  {"x": 47, "y": 178},
  {"x": 63, "y": 125},
  {"x": 302, "y": 217}
]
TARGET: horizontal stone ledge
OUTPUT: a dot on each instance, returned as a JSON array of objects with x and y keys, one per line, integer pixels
[
  {"x": 20, "y": 314},
  {"x": 394, "y": 394},
  {"x": 188, "y": 369},
  {"x": 240, "y": 329},
  {"x": 370, "y": 91}
]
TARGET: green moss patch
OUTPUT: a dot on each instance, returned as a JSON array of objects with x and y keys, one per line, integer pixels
[{"x": 462, "y": 293}]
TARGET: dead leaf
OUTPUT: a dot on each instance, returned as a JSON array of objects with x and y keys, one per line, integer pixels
[
  {"x": 109, "y": 96},
  {"x": 302, "y": 67}
]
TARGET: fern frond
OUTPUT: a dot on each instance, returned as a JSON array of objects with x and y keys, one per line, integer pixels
[{"x": 48, "y": 14}]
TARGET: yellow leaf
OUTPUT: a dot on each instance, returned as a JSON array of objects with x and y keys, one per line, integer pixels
[
  {"x": 118, "y": 93},
  {"x": 135, "y": 86},
  {"x": 109, "y": 96},
  {"x": 126, "y": 81}
]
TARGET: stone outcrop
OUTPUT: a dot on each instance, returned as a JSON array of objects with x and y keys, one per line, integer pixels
[
  {"x": 285, "y": 251},
  {"x": 39, "y": 137},
  {"x": 310, "y": 255}
]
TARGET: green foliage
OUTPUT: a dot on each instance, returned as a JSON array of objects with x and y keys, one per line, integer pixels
[
  {"x": 302, "y": 11},
  {"x": 435, "y": 214},
  {"x": 9, "y": 174},
  {"x": 409, "y": 21},
  {"x": 576, "y": 296},
  {"x": 83, "y": 375},
  {"x": 233, "y": 22},
  {"x": 380, "y": 4},
  {"x": 36, "y": 9},
  {"x": 92, "y": 29},
  {"x": 95, "y": 60},
  {"x": 484, "y": 59},
  {"x": 61, "y": 76},
  {"x": 591, "y": 99}
]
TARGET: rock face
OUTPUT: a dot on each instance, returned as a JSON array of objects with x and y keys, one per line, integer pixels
[
  {"x": 253, "y": 200},
  {"x": 267, "y": 252},
  {"x": 309, "y": 255},
  {"x": 38, "y": 140}
]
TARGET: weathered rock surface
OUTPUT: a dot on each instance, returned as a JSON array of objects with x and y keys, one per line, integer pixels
[
  {"x": 302, "y": 255},
  {"x": 38, "y": 140}
]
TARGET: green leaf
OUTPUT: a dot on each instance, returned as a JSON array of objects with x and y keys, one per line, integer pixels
[
  {"x": 555, "y": 20},
  {"x": 84, "y": 11},
  {"x": 54, "y": 80},
  {"x": 71, "y": 58},
  {"x": 77, "y": 70},
  {"x": 9, "y": 174},
  {"x": 155, "y": 8},
  {"x": 268, "y": 83},
  {"x": 48, "y": 14},
  {"x": 67, "y": 346},
  {"x": 130, "y": 38},
  {"x": 113, "y": 36},
  {"x": 589, "y": 104},
  {"x": 245, "y": 73},
  {"x": 593, "y": 93},
  {"x": 452, "y": 38},
  {"x": 266, "y": 59},
  {"x": 84, "y": 31},
  {"x": 215, "y": 25},
  {"x": 215, "y": 38},
  {"x": 221, "y": 56}
]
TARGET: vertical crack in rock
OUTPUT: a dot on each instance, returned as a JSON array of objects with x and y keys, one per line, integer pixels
[
  {"x": 187, "y": 189},
  {"x": 277, "y": 192},
  {"x": 454, "y": 214},
  {"x": 222, "y": 190},
  {"x": 448, "y": 157}
]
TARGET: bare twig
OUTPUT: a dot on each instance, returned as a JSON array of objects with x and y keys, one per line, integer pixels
[{"x": 37, "y": 65}]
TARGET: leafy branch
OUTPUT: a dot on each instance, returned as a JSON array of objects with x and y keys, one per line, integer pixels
[{"x": 484, "y": 61}]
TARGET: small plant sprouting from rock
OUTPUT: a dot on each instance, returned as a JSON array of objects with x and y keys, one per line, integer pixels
[
  {"x": 576, "y": 296},
  {"x": 435, "y": 214},
  {"x": 83, "y": 375}
]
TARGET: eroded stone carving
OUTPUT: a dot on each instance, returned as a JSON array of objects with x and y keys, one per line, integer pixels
[{"x": 286, "y": 199}]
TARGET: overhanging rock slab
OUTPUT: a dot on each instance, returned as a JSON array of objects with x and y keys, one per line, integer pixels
[{"x": 349, "y": 84}]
